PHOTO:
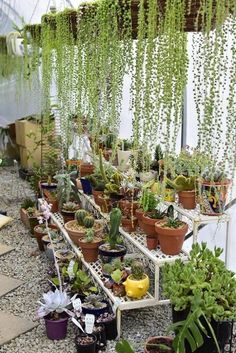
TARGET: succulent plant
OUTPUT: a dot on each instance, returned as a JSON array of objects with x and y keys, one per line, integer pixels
[
  {"x": 80, "y": 215},
  {"x": 137, "y": 270},
  {"x": 182, "y": 183},
  {"x": 210, "y": 174},
  {"x": 70, "y": 206},
  {"x": 88, "y": 221},
  {"x": 27, "y": 203},
  {"x": 53, "y": 302},
  {"x": 89, "y": 235}
]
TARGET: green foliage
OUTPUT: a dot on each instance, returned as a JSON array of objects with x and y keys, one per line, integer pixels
[
  {"x": 137, "y": 270},
  {"x": 115, "y": 219},
  {"x": 203, "y": 278},
  {"x": 124, "y": 347},
  {"x": 70, "y": 206},
  {"x": 148, "y": 200},
  {"x": 117, "y": 275},
  {"x": 64, "y": 188},
  {"x": 213, "y": 174},
  {"x": 80, "y": 215},
  {"x": 27, "y": 203},
  {"x": 89, "y": 235},
  {"x": 173, "y": 223},
  {"x": 88, "y": 221},
  {"x": 182, "y": 183}
]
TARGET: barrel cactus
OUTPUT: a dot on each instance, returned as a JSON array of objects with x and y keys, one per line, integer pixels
[
  {"x": 89, "y": 235},
  {"x": 137, "y": 270},
  {"x": 89, "y": 221},
  {"x": 80, "y": 216}
]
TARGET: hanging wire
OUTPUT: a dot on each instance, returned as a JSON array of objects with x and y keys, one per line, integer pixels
[
  {"x": 35, "y": 7},
  {"x": 48, "y": 6}
]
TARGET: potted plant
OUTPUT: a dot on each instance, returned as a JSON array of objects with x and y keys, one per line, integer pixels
[
  {"x": 33, "y": 215},
  {"x": 186, "y": 188},
  {"x": 202, "y": 292},
  {"x": 94, "y": 304},
  {"x": 109, "y": 321},
  {"x": 64, "y": 255},
  {"x": 51, "y": 198},
  {"x": 68, "y": 211},
  {"x": 53, "y": 309},
  {"x": 213, "y": 187},
  {"x": 113, "y": 248},
  {"x": 159, "y": 344},
  {"x": 129, "y": 221},
  {"x": 115, "y": 275},
  {"x": 89, "y": 245},
  {"x": 26, "y": 203},
  {"x": 78, "y": 227},
  {"x": 86, "y": 343},
  {"x": 171, "y": 233},
  {"x": 137, "y": 283},
  {"x": 39, "y": 231}
]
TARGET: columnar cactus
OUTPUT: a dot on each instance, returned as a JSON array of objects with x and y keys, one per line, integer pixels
[{"x": 115, "y": 219}]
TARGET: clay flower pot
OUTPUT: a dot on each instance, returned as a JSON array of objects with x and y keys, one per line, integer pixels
[
  {"x": 129, "y": 225},
  {"x": 171, "y": 239},
  {"x": 96, "y": 194},
  {"x": 86, "y": 169},
  {"x": 187, "y": 199},
  {"x": 152, "y": 242},
  {"x": 90, "y": 250},
  {"x": 148, "y": 348},
  {"x": 76, "y": 233},
  {"x": 139, "y": 214},
  {"x": 129, "y": 207},
  {"x": 149, "y": 225},
  {"x": 39, "y": 232},
  {"x": 24, "y": 217}
]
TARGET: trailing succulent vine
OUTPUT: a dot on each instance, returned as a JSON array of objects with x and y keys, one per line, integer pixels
[{"x": 88, "y": 51}]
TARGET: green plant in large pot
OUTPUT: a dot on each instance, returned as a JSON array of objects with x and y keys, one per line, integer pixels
[
  {"x": 202, "y": 292},
  {"x": 113, "y": 247},
  {"x": 171, "y": 233},
  {"x": 213, "y": 188},
  {"x": 186, "y": 188},
  {"x": 78, "y": 227}
]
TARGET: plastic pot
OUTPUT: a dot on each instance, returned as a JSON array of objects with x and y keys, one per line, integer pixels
[
  {"x": 95, "y": 311},
  {"x": 107, "y": 255},
  {"x": 110, "y": 329},
  {"x": 86, "y": 186},
  {"x": 86, "y": 348},
  {"x": 56, "y": 329}
]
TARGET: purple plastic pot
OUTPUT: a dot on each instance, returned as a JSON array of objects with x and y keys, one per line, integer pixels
[{"x": 56, "y": 329}]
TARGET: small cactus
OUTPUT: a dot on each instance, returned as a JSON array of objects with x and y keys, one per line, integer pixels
[
  {"x": 80, "y": 215},
  {"x": 89, "y": 221},
  {"x": 89, "y": 235},
  {"x": 137, "y": 270}
]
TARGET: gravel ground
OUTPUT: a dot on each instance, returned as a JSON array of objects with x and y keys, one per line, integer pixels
[{"x": 28, "y": 265}]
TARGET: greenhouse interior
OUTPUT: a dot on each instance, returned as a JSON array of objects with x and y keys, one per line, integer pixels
[{"x": 117, "y": 176}]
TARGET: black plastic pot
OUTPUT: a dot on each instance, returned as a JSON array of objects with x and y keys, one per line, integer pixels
[
  {"x": 95, "y": 311},
  {"x": 101, "y": 338},
  {"x": 110, "y": 329},
  {"x": 90, "y": 348},
  {"x": 107, "y": 255},
  {"x": 46, "y": 186},
  {"x": 222, "y": 331}
]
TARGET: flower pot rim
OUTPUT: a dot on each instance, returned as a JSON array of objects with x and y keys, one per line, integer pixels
[
  {"x": 137, "y": 280},
  {"x": 159, "y": 225},
  {"x": 167, "y": 338},
  {"x": 224, "y": 182}
]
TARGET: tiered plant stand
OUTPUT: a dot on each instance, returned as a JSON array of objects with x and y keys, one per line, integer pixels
[{"x": 196, "y": 220}]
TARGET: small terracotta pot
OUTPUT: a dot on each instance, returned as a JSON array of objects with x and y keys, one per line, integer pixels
[
  {"x": 68, "y": 216},
  {"x": 86, "y": 169},
  {"x": 38, "y": 235},
  {"x": 127, "y": 206},
  {"x": 139, "y": 214},
  {"x": 187, "y": 199},
  {"x": 54, "y": 204},
  {"x": 149, "y": 225},
  {"x": 152, "y": 242},
  {"x": 90, "y": 250},
  {"x": 171, "y": 239},
  {"x": 158, "y": 340},
  {"x": 129, "y": 225},
  {"x": 104, "y": 204}
]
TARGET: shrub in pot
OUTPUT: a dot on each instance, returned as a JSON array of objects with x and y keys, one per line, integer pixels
[
  {"x": 202, "y": 292},
  {"x": 52, "y": 309},
  {"x": 171, "y": 234},
  {"x": 213, "y": 188},
  {"x": 113, "y": 248}
]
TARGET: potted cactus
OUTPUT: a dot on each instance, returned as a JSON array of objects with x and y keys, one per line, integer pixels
[
  {"x": 186, "y": 188},
  {"x": 113, "y": 248},
  {"x": 40, "y": 231},
  {"x": 89, "y": 245},
  {"x": 213, "y": 188},
  {"x": 137, "y": 283},
  {"x": 27, "y": 203},
  {"x": 83, "y": 221}
]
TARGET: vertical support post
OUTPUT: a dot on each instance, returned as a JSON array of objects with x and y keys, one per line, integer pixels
[
  {"x": 157, "y": 277},
  {"x": 227, "y": 243},
  {"x": 195, "y": 231},
  {"x": 118, "y": 321}
]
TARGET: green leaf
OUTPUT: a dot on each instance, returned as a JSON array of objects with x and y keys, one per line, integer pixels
[{"x": 124, "y": 347}]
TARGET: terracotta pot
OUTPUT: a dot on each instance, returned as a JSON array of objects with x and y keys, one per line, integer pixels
[
  {"x": 128, "y": 207},
  {"x": 77, "y": 235},
  {"x": 104, "y": 204},
  {"x": 212, "y": 197},
  {"x": 96, "y": 194},
  {"x": 54, "y": 204},
  {"x": 129, "y": 225},
  {"x": 33, "y": 221},
  {"x": 158, "y": 340},
  {"x": 24, "y": 217},
  {"x": 73, "y": 162},
  {"x": 187, "y": 199},
  {"x": 68, "y": 215},
  {"x": 152, "y": 242},
  {"x": 39, "y": 235},
  {"x": 149, "y": 225},
  {"x": 86, "y": 169},
  {"x": 107, "y": 154},
  {"x": 171, "y": 239},
  {"x": 139, "y": 214},
  {"x": 90, "y": 250}
]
